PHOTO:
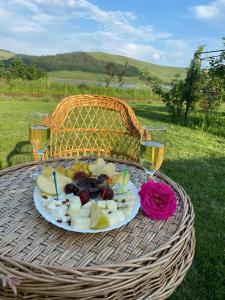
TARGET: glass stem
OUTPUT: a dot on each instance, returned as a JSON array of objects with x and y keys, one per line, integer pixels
[
  {"x": 149, "y": 175},
  {"x": 40, "y": 155}
]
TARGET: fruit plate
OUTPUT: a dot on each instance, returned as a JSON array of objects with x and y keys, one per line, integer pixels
[{"x": 48, "y": 217}]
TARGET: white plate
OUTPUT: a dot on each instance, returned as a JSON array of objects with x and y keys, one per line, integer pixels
[{"x": 43, "y": 211}]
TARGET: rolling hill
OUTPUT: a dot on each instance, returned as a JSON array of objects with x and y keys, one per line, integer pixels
[
  {"x": 4, "y": 54},
  {"x": 92, "y": 66},
  {"x": 163, "y": 72}
]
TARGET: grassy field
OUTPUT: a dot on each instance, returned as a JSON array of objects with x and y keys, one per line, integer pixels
[
  {"x": 56, "y": 90},
  {"x": 79, "y": 75},
  {"x": 163, "y": 72},
  {"x": 194, "y": 158},
  {"x": 6, "y": 54}
]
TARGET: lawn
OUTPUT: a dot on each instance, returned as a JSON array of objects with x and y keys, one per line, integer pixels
[
  {"x": 165, "y": 73},
  {"x": 194, "y": 158},
  {"x": 89, "y": 77}
]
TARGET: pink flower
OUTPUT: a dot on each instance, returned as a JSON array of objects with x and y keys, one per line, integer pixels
[{"x": 158, "y": 200}]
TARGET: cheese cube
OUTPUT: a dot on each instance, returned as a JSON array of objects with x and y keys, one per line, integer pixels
[
  {"x": 74, "y": 209},
  {"x": 80, "y": 223},
  {"x": 85, "y": 211},
  {"x": 74, "y": 198},
  {"x": 101, "y": 204},
  {"x": 45, "y": 200},
  {"x": 111, "y": 205},
  {"x": 116, "y": 217},
  {"x": 58, "y": 211}
]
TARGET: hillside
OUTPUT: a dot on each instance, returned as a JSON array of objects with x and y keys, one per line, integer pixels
[
  {"x": 4, "y": 54},
  {"x": 75, "y": 61},
  {"x": 163, "y": 72},
  {"x": 92, "y": 66}
]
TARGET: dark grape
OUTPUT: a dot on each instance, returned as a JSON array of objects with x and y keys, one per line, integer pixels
[
  {"x": 70, "y": 188},
  {"x": 106, "y": 193},
  {"x": 84, "y": 196},
  {"x": 103, "y": 177},
  {"x": 79, "y": 175}
]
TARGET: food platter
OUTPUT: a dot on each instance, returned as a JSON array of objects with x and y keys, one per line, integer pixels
[
  {"x": 86, "y": 198},
  {"x": 48, "y": 217}
]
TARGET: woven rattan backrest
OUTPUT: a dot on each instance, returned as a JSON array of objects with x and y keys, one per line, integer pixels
[{"x": 94, "y": 125}]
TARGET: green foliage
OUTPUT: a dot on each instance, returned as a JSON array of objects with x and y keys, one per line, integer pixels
[
  {"x": 189, "y": 91},
  {"x": 153, "y": 82},
  {"x": 121, "y": 72},
  {"x": 211, "y": 87},
  {"x": 115, "y": 70},
  {"x": 200, "y": 88},
  {"x": 96, "y": 61},
  {"x": 15, "y": 68},
  {"x": 174, "y": 100},
  {"x": 110, "y": 71},
  {"x": 75, "y": 61},
  {"x": 57, "y": 90}
]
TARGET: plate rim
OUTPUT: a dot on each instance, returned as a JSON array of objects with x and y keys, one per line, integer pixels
[{"x": 44, "y": 213}]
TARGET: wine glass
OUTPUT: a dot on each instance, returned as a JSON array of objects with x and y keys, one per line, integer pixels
[
  {"x": 152, "y": 149},
  {"x": 39, "y": 133}
]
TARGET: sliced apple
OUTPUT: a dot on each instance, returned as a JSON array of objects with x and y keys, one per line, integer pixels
[
  {"x": 121, "y": 179},
  {"x": 99, "y": 218},
  {"x": 46, "y": 184}
]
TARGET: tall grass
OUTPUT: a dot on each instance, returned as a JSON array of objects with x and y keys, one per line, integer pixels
[{"x": 48, "y": 89}]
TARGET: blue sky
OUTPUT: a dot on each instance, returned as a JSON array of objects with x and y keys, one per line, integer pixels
[{"x": 159, "y": 31}]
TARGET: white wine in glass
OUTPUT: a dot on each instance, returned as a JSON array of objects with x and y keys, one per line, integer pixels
[
  {"x": 39, "y": 133},
  {"x": 152, "y": 149}
]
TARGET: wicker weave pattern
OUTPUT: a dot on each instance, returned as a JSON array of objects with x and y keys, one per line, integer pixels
[
  {"x": 143, "y": 259},
  {"x": 94, "y": 125}
]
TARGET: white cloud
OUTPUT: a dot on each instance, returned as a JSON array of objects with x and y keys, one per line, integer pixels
[
  {"x": 56, "y": 26},
  {"x": 142, "y": 52},
  {"x": 214, "y": 11}
]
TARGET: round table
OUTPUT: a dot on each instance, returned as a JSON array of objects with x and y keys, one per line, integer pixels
[{"x": 144, "y": 259}]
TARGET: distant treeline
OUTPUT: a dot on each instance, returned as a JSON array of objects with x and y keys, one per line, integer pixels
[
  {"x": 15, "y": 68},
  {"x": 75, "y": 61}
]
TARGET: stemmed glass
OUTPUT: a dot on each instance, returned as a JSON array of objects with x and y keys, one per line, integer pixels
[
  {"x": 152, "y": 149},
  {"x": 39, "y": 133}
]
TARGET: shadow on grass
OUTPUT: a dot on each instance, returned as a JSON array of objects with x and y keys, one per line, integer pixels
[
  {"x": 21, "y": 153},
  {"x": 160, "y": 114},
  {"x": 153, "y": 113},
  {"x": 203, "y": 180}
]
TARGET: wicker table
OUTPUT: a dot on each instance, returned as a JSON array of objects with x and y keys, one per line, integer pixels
[{"x": 143, "y": 260}]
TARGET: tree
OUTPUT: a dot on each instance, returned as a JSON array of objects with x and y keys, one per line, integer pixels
[
  {"x": 153, "y": 82},
  {"x": 182, "y": 96},
  {"x": 110, "y": 71},
  {"x": 189, "y": 94},
  {"x": 211, "y": 87},
  {"x": 16, "y": 68},
  {"x": 174, "y": 100},
  {"x": 120, "y": 73}
]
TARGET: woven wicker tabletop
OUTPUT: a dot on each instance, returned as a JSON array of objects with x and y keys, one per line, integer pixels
[{"x": 144, "y": 258}]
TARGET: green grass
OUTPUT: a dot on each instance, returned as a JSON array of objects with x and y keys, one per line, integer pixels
[
  {"x": 194, "y": 158},
  {"x": 56, "y": 90},
  {"x": 163, "y": 72},
  {"x": 4, "y": 54},
  {"x": 88, "y": 76}
]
